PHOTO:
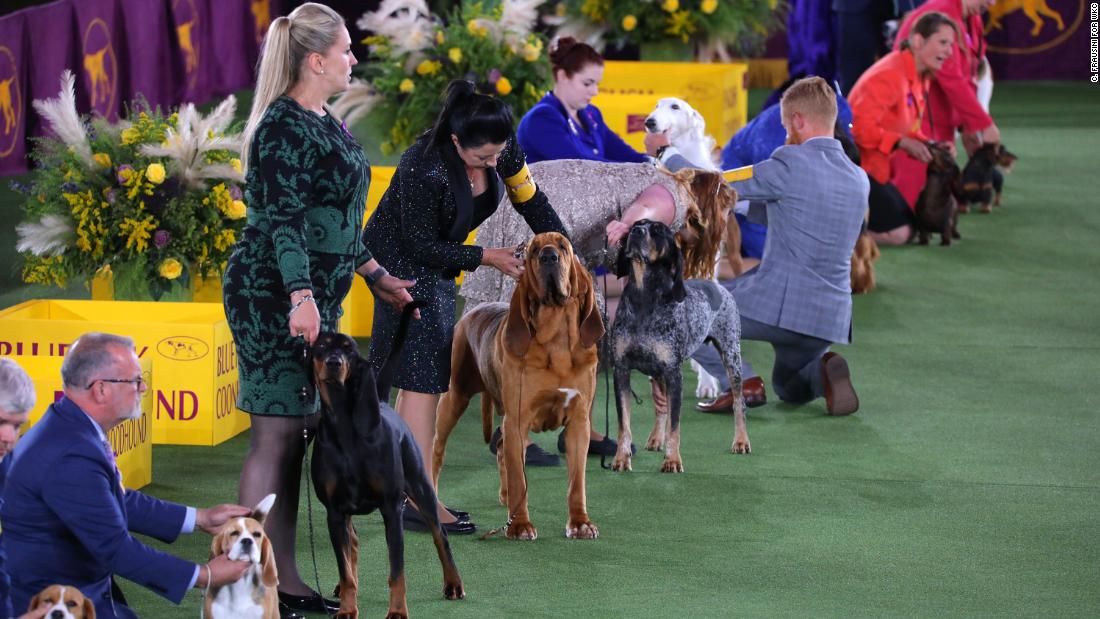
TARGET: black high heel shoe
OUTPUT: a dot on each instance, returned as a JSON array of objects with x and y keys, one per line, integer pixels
[{"x": 415, "y": 522}]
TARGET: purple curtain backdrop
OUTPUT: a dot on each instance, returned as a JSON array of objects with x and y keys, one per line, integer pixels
[
  {"x": 1052, "y": 43},
  {"x": 167, "y": 51}
]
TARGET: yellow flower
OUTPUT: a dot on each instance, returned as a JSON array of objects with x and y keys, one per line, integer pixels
[
  {"x": 225, "y": 240},
  {"x": 407, "y": 85},
  {"x": 103, "y": 159},
  {"x": 772, "y": 4},
  {"x": 439, "y": 37},
  {"x": 155, "y": 173},
  {"x": 531, "y": 53},
  {"x": 670, "y": 6},
  {"x": 237, "y": 210},
  {"x": 630, "y": 22},
  {"x": 137, "y": 232},
  {"x": 455, "y": 55},
  {"x": 680, "y": 24},
  {"x": 130, "y": 135},
  {"x": 560, "y": 9},
  {"x": 504, "y": 87},
  {"x": 710, "y": 6},
  {"x": 428, "y": 67},
  {"x": 474, "y": 27},
  {"x": 595, "y": 10},
  {"x": 235, "y": 164},
  {"x": 171, "y": 268}
]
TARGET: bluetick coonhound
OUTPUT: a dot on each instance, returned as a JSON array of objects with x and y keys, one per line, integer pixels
[{"x": 661, "y": 319}]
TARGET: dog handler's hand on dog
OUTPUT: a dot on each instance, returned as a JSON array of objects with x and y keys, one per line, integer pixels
[
  {"x": 654, "y": 141},
  {"x": 916, "y": 148},
  {"x": 37, "y": 613},
  {"x": 211, "y": 519},
  {"x": 220, "y": 571},
  {"x": 616, "y": 230},
  {"x": 504, "y": 260},
  {"x": 304, "y": 319}
]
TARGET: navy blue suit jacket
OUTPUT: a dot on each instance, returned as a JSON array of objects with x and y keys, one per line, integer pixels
[
  {"x": 67, "y": 520},
  {"x": 5, "y": 582}
]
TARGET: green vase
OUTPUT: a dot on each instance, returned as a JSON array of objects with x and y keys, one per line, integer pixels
[{"x": 671, "y": 50}]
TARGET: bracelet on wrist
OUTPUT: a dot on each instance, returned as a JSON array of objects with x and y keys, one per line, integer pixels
[
  {"x": 375, "y": 276},
  {"x": 305, "y": 299}
]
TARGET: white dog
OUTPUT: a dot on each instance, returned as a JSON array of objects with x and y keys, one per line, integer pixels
[
  {"x": 687, "y": 133},
  {"x": 255, "y": 595},
  {"x": 686, "y": 129}
]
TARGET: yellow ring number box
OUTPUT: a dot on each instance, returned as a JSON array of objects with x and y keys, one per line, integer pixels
[
  {"x": 194, "y": 386},
  {"x": 131, "y": 440}
]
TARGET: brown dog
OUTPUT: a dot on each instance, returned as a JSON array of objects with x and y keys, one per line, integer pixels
[
  {"x": 937, "y": 206},
  {"x": 863, "y": 264},
  {"x": 63, "y": 602},
  {"x": 535, "y": 360},
  {"x": 256, "y": 594}
]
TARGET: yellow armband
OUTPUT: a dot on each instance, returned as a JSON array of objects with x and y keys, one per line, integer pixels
[
  {"x": 743, "y": 173},
  {"x": 520, "y": 186}
]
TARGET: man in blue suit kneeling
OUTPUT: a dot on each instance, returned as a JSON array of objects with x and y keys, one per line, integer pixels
[{"x": 67, "y": 518}]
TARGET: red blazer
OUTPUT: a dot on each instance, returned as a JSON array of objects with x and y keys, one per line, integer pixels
[
  {"x": 953, "y": 97},
  {"x": 887, "y": 104}
]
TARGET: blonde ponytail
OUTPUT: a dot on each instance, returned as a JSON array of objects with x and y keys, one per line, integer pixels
[{"x": 310, "y": 28}]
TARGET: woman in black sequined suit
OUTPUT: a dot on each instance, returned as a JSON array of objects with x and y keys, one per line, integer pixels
[{"x": 446, "y": 184}]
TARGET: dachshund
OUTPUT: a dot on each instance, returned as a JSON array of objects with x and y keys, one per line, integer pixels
[
  {"x": 63, "y": 602},
  {"x": 937, "y": 205},
  {"x": 661, "y": 320},
  {"x": 255, "y": 595},
  {"x": 365, "y": 459},
  {"x": 982, "y": 181},
  {"x": 534, "y": 359}
]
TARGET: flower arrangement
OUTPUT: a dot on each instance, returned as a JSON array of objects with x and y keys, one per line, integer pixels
[
  {"x": 414, "y": 57},
  {"x": 713, "y": 27},
  {"x": 149, "y": 201}
]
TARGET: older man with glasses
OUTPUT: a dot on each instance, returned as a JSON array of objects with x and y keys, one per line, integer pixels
[{"x": 67, "y": 519}]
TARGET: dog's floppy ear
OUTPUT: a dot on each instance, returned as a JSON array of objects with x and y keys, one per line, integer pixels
[
  {"x": 269, "y": 575},
  {"x": 517, "y": 333},
  {"x": 89, "y": 608},
  {"x": 216, "y": 543},
  {"x": 697, "y": 122},
  {"x": 263, "y": 508},
  {"x": 591, "y": 323},
  {"x": 675, "y": 262},
  {"x": 36, "y": 600}
]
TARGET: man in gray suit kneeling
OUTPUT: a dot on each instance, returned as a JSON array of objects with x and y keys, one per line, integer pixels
[{"x": 813, "y": 200}]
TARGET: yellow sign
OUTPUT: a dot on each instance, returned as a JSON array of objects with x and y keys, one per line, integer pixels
[
  {"x": 130, "y": 440},
  {"x": 630, "y": 90},
  {"x": 743, "y": 173},
  {"x": 194, "y": 387}
]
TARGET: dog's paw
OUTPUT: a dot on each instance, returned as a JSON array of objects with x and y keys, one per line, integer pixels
[
  {"x": 672, "y": 465},
  {"x": 741, "y": 445},
  {"x": 396, "y": 614},
  {"x": 655, "y": 443},
  {"x": 621, "y": 463},
  {"x": 707, "y": 388},
  {"x": 524, "y": 531},
  {"x": 582, "y": 530},
  {"x": 453, "y": 591},
  {"x": 352, "y": 613}
]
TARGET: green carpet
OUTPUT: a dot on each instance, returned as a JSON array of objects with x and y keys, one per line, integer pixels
[{"x": 968, "y": 484}]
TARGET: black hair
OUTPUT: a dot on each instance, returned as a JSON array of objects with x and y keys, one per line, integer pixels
[{"x": 476, "y": 119}]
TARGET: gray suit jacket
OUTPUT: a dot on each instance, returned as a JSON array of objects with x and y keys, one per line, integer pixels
[{"x": 815, "y": 199}]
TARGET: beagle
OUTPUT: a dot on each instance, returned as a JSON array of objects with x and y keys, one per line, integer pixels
[
  {"x": 63, "y": 602},
  {"x": 255, "y": 595}
]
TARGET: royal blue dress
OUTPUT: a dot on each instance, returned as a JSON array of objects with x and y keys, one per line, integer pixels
[{"x": 547, "y": 132}]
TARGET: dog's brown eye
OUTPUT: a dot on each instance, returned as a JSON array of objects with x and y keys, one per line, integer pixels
[
  {"x": 675, "y": 107},
  {"x": 70, "y": 604},
  {"x": 257, "y": 535},
  {"x": 234, "y": 533}
]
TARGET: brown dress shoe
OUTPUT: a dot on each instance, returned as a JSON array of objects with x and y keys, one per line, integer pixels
[
  {"x": 840, "y": 396},
  {"x": 753, "y": 390},
  {"x": 722, "y": 404}
]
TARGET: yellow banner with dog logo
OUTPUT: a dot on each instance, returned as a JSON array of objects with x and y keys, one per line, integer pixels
[
  {"x": 194, "y": 386},
  {"x": 131, "y": 440}
]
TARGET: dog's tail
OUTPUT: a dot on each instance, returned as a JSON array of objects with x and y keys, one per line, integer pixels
[{"x": 385, "y": 375}]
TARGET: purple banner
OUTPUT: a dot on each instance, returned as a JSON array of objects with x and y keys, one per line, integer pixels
[
  {"x": 167, "y": 51},
  {"x": 1038, "y": 39}
]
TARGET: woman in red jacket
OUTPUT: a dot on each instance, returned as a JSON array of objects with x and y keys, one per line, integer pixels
[{"x": 888, "y": 107}]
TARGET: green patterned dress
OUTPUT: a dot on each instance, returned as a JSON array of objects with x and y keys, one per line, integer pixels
[{"x": 306, "y": 192}]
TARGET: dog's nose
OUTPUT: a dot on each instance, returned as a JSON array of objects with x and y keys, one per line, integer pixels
[
  {"x": 651, "y": 123},
  {"x": 57, "y": 614},
  {"x": 333, "y": 362},
  {"x": 548, "y": 256},
  {"x": 246, "y": 543}
]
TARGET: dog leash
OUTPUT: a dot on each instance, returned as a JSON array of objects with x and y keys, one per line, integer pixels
[{"x": 306, "y": 472}]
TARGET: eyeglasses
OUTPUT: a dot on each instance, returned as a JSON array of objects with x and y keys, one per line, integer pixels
[{"x": 136, "y": 382}]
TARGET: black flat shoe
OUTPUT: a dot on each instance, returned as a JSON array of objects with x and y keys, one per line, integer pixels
[
  {"x": 457, "y": 513},
  {"x": 604, "y": 447},
  {"x": 307, "y": 603},
  {"x": 286, "y": 613},
  {"x": 413, "y": 521}
]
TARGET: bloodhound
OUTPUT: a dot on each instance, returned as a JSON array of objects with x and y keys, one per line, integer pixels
[{"x": 535, "y": 360}]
